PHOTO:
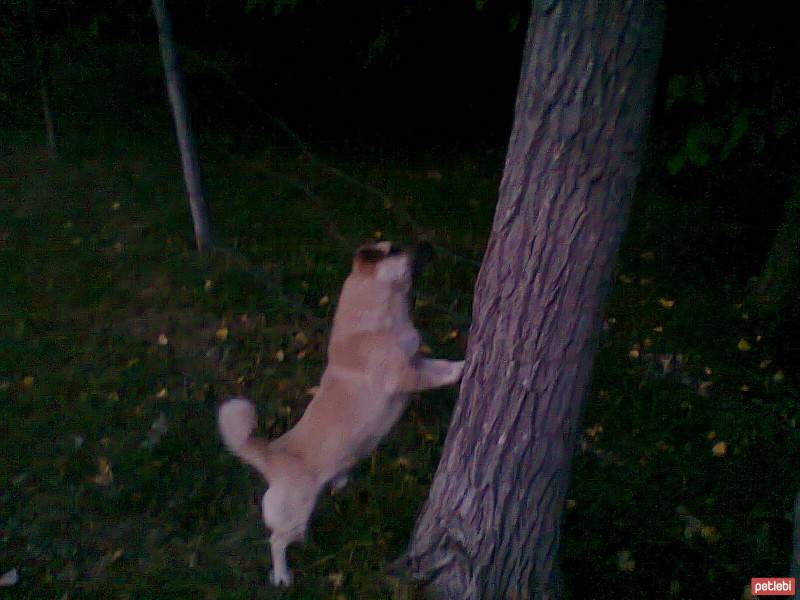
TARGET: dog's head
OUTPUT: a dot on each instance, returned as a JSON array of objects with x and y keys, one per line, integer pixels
[
  {"x": 375, "y": 295},
  {"x": 387, "y": 262}
]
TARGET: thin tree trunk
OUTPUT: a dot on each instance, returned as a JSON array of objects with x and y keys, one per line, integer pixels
[
  {"x": 49, "y": 127},
  {"x": 47, "y": 113},
  {"x": 491, "y": 525},
  {"x": 183, "y": 131}
]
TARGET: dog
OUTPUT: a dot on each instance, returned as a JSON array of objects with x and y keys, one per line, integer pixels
[{"x": 373, "y": 364}]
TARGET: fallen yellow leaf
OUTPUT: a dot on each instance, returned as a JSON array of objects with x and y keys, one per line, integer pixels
[
  {"x": 208, "y": 284},
  {"x": 162, "y": 393},
  {"x": 115, "y": 206},
  {"x": 105, "y": 475},
  {"x": 778, "y": 377},
  {"x": 720, "y": 449},
  {"x": 765, "y": 363},
  {"x": 27, "y": 381},
  {"x": 709, "y": 533},
  {"x": 222, "y": 333},
  {"x": 666, "y": 302},
  {"x": 378, "y": 235},
  {"x": 425, "y": 349},
  {"x": 743, "y": 345},
  {"x": 711, "y": 435},
  {"x": 163, "y": 340},
  {"x": 279, "y": 355},
  {"x": 324, "y": 300},
  {"x": 301, "y": 338},
  {"x": 658, "y": 329}
]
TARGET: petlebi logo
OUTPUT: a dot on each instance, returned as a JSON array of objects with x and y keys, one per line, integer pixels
[{"x": 772, "y": 586}]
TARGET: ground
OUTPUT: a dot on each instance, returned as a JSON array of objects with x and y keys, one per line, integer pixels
[{"x": 117, "y": 342}]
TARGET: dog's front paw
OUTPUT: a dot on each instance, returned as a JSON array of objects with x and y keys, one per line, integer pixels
[
  {"x": 457, "y": 370},
  {"x": 281, "y": 578}
]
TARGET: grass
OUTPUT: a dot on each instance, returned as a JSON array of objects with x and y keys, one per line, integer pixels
[{"x": 98, "y": 264}]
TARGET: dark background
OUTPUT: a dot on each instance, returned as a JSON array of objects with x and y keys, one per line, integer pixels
[{"x": 414, "y": 77}]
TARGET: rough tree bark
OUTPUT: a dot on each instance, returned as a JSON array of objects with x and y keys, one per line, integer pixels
[
  {"x": 491, "y": 525},
  {"x": 183, "y": 130}
]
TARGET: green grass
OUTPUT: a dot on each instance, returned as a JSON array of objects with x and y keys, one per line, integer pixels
[{"x": 90, "y": 285}]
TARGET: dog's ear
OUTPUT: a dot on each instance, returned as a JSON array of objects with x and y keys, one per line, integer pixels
[{"x": 367, "y": 256}]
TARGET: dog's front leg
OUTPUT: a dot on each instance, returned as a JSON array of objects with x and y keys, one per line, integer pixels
[{"x": 429, "y": 373}]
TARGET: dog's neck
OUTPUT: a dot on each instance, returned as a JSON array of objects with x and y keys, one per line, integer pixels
[{"x": 365, "y": 307}]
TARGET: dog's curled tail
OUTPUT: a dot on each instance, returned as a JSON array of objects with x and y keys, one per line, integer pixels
[{"x": 237, "y": 420}]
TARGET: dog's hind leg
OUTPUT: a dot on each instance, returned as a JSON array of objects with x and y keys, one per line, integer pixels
[
  {"x": 286, "y": 508},
  {"x": 280, "y": 574}
]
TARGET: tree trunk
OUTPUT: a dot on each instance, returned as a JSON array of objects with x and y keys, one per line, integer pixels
[
  {"x": 49, "y": 126},
  {"x": 491, "y": 525},
  {"x": 183, "y": 131},
  {"x": 41, "y": 68}
]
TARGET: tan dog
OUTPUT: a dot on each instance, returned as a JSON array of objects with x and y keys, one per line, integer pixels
[{"x": 373, "y": 363}]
